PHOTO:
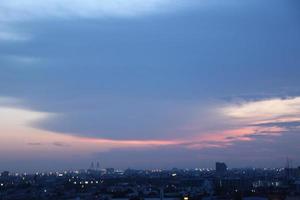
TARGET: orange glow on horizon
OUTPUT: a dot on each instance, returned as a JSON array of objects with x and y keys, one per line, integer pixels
[{"x": 15, "y": 129}]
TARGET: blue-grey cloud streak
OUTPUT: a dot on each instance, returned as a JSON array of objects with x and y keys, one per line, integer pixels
[{"x": 146, "y": 72}]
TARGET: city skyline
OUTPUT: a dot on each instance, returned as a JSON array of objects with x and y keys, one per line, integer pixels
[{"x": 149, "y": 84}]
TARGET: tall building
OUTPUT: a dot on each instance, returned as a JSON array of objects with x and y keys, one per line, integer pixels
[
  {"x": 221, "y": 168},
  {"x": 92, "y": 167}
]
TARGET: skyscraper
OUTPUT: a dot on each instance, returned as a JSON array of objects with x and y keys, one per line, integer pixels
[{"x": 221, "y": 168}]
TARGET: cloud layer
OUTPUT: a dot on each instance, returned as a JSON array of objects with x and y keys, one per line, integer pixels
[
  {"x": 271, "y": 110},
  {"x": 30, "y": 9},
  {"x": 140, "y": 75},
  {"x": 204, "y": 145}
]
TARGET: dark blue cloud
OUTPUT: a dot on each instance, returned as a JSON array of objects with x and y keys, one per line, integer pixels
[{"x": 139, "y": 78}]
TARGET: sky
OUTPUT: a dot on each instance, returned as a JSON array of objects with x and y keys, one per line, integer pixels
[{"x": 149, "y": 83}]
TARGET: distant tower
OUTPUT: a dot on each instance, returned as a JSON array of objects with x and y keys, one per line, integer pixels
[
  {"x": 98, "y": 166},
  {"x": 288, "y": 168},
  {"x": 287, "y": 165},
  {"x": 92, "y": 166}
]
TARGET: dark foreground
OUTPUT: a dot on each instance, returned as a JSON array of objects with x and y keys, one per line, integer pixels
[{"x": 196, "y": 184}]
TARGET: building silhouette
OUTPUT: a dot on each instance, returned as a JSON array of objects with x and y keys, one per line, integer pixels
[{"x": 221, "y": 168}]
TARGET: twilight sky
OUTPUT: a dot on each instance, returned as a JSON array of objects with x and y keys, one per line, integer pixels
[{"x": 149, "y": 83}]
